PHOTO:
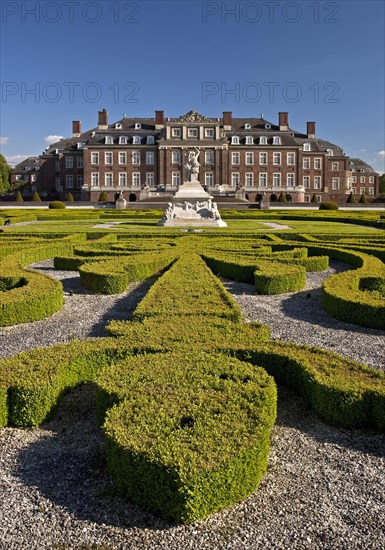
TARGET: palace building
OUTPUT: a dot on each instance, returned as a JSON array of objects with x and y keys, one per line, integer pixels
[{"x": 247, "y": 158}]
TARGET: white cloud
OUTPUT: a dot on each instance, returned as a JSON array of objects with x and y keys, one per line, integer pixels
[
  {"x": 4, "y": 140},
  {"x": 52, "y": 139},
  {"x": 15, "y": 159},
  {"x": 381, "y": 153}
]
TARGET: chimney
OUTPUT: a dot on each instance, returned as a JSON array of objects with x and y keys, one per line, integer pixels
[
  {"x": 310, "y": 129},
  {"x": 103, "y": 120},
  {"x": 76, "y": 128},
  {"x": 227, "y": 120},
  {"x": 283, "y": 121},
  {"x": 159, "y": 120}
]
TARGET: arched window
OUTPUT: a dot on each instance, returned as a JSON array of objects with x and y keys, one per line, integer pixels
[
  {"x": 122, "y": 140},
  {"x": 249, "y": 140},
  {"x": 109, "y": 140},
  {"x": 234, "y": 140},
  {"x": 276, "y": 140},
  {"x": 136, "y": 140},
  {"x": 150, "y": 140},
  {"x": 306, "y": 147},
  {"x": 263, "y": 140}
]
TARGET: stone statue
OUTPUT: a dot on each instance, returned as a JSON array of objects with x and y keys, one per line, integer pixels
[
  {"x": 193, "y": 165},
  {"x": 168, "y": 213}
]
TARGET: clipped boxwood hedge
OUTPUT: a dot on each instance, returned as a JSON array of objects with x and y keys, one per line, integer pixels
[{"x": 189, "y": 432}]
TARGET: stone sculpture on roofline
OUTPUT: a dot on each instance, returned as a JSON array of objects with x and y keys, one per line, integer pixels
[{"x": 191, "y": 205}]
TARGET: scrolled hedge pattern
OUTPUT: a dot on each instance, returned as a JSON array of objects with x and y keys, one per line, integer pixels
[{"x": 186, "y": 392}]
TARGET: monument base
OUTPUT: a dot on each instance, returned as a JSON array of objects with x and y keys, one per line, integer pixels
[{"x": 192, "y": 206}]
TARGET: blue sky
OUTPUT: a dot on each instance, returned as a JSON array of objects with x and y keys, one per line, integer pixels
[{"x": 319, "y": 60}]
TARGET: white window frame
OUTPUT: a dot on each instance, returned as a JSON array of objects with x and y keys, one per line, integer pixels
[
  {"x": 275, "y": 156},
  {"x": 263, "y": 179},
  {"x": 150, "y": 157},
  {"x": 306, "y": 163},
  {"x": 69, "y": 181},
  {"x": 108, "y": 155},
  {"x": 290, "y": 176},
  {"x": 306, "y": 182},
  {"x": 176, "y": 132},
  {"x": 209, "y": 179},
  {"x": 276, "y": 140},
  {"x": 192, "y": 132},
  {"x": 362, "y": 190},
  {"x": 108, "y": 179},
  {"x": 69, "y": 162},
  {"x": 335, "y": 184},
  {"x": 249, "y": 140},
  {"x": 234, "y": 140},
  {"x": 175, "y": 157},
  {"x": 235, "y": 159},
  {"x": 263, "y": 154},
  {"x": 235, "y": 179},
  {"x": 122, "y": 179},
  {"x": 135, "y": 178},
  {"x": 209, "y": 157},
  {"x": 249, "y": 159},
  {"x": 135, "y": 158},
  {"x": 371, "y": 179},
  {"x": 335, "y": 167},
  {"x": 136, "y": 140},
  {"x": 95, "y": 155},
  {"x": 150, "y": 178},
  {"x": 317, "y": 163},
  {"x": 122, "y": 140},
  {"x": 95, "y": 179},
  {"x": 150, "y": 140},
  {"x": 277, "y": 179},
  {"x": 317, "y": 182},
  {"x": 362, "y": 179},
  {"x": 263, "y": 140},
  {"x": 290, "y": 159},
  {"x": 175, "y": 179},
  {"x": 249, "y": 179},
  {"x": 306, "y": 147},
  {"x": 371, "y": 190},
  {"x": 209, "y": 132},
  {"x": 108, "y": 140},
  {"x": 122, "y": 157}
]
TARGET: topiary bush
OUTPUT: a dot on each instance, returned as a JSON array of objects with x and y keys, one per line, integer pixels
[
  {"x": 36, "y": 197},
  {"x": 363, "y": 199},
  {"x": 282, "y": 197},
  {"x": 314, "y": 198},
  {"x": 103, "y": 197},
  {"x": 57, "y": 205},
  {"x": 351, "y": 199},
  {"x": 70, "y": 197},
  {"x": 328, "y": 205},
  {"x": 19, "y": 197}
]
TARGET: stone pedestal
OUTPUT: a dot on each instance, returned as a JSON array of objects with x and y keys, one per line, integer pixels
[
  {"x": 120, "y": 202},
  {"x": 192, "y": 206}
]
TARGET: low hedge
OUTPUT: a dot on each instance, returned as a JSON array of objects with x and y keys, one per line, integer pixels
[
  {"x": 113, "y": 276},
  {"x": 189, "y": 432}
]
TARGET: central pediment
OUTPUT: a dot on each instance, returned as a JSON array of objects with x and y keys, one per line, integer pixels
[{"x": 192, "y": 116}]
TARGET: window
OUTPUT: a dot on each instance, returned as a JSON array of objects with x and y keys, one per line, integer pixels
[
  {"x": 276, "y": 158},
  {"x": 307, "y": 198},
  {"x": 263, "y": 158},
  {"x": 79, "y": 162},
  {"x": 149, "y": 157},
  {"x": 268, "y": 126},
  {"x": 122, "y": 140},
  {"x": 136, "y": 179},
  {"x": 249, "y": 179},
  {"x": 109, "y": 179},
  {"x": 354, "y": 179},
  {"x": 306, "y": 147},
  {"x": 69, "y": 162},
  {"x": 291, "y": 159},
  {"x": 57, "y": 184},
  {"x": 317, "y": 182},
  {"x": 118, "y": 126},
  {"x": 371, "y": 179},
  {"x": 306, "y": 182},
  {"x": 175, "y": 157},
  {"x": 247, "y": 126},
  {"x": 249, "y": 158},
  {"x": 57, "y": 166},
  {"x": 79, "y": 180},
  {"x": 122, "y": 158},
  {"x": 135, "y": 157},
  {"x": 263, "y": 179},
  {"x": 192, "y": 132},
  {"x": 122, "y": 178},
  {"x": 277, "y": 179},
  {"x": 306, "y": 163},
  {"x": 362, "y": 179},
  {"x": 317, "y": 164},
  {"x": 335, "y": 184},
  {"x": 150, "y": 140},
  {"x": 362, "y": 190},
  {"x": 235, "y": 140},
  {"x": 108, "y": 140},
  {"x": 371, "y": 190},
  {"x": 276, "y": 140},
  {"x": 175, "y": 181},
  {"x": 69, "y": 181},
  {"x": 249, "y": 140},
  {"x": 138, "y": 126},
  {"x": 95, "y": 178},
  {"x": 150, "y": 178},
  {"x": 263, "y": 140},
  {"x": 318, "y": 198},
  {"x": 235, "y": 179},
  {"x": 354, "y": 190},
  {"x": 335, "y": 166},
  {"x": 209, "y": 179},
  {"x": 329, "y": 152},
  {"x": 175, "y": 132},
  {"x": 136, "y": 140},
  {"x": 107, "y": 158},
  {"x": 94, "y": 158},
  {"x": 209, "y": 132},
  {"x": 290, "y": 180},
  {"x": 235, "y": 158},
  {"x": 209, "y": 157}
]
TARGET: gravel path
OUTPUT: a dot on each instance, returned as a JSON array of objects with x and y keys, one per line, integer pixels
[{"x": 324, "y": 488}]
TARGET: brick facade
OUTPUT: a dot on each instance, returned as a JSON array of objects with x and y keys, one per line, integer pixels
[{"x": 243, "y": 157}]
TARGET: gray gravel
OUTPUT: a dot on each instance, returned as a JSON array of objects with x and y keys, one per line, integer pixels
[{"x": 324, "y": 487}]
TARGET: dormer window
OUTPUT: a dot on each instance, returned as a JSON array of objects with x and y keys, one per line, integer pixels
[
  {"x": 249, "y": 140},
  {"x": 79, "y": 145},
  {"x": 329, "y": 152},
  {"x": 276, "y": 140},
  {"x": 108, "y": 140},
  {"x": 138, "y": 126},
  {"x": 268, "y": 126},
  {"x": 118, "y": 126},
  {"x": 136, "y": 140},
  {"x": 306, "y": 147},
  {"x": 150, "y": 140},
  {"x": 122, "y": 140},
  {"x": 247, "y": 126},
  {"x": 234, "y": 140},
  {"x": 263, "y": 140}
]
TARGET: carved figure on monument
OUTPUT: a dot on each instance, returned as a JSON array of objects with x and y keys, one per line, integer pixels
[
  {"x": 192, "y": 165},
  {"x": 215, "y": 211},
  {"x": 168, "y": 213}
]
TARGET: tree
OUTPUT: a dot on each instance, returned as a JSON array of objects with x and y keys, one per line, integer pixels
[
  {"x": 351, "y": 199},
  {"x": 382, "y": 184},
  {"x": 5, "y": 173},
  {"x": 363, "y": 199},
  {"x": 314, "y": 198},
  {"x": 70, "y": 197},
  {"x": 19, "y": 197},
  {"x": 282, "y": 197},
  {"x": 36, "y": 197}
]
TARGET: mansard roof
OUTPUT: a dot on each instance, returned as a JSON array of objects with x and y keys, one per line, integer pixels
[{"x": 358, "y": 165}]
